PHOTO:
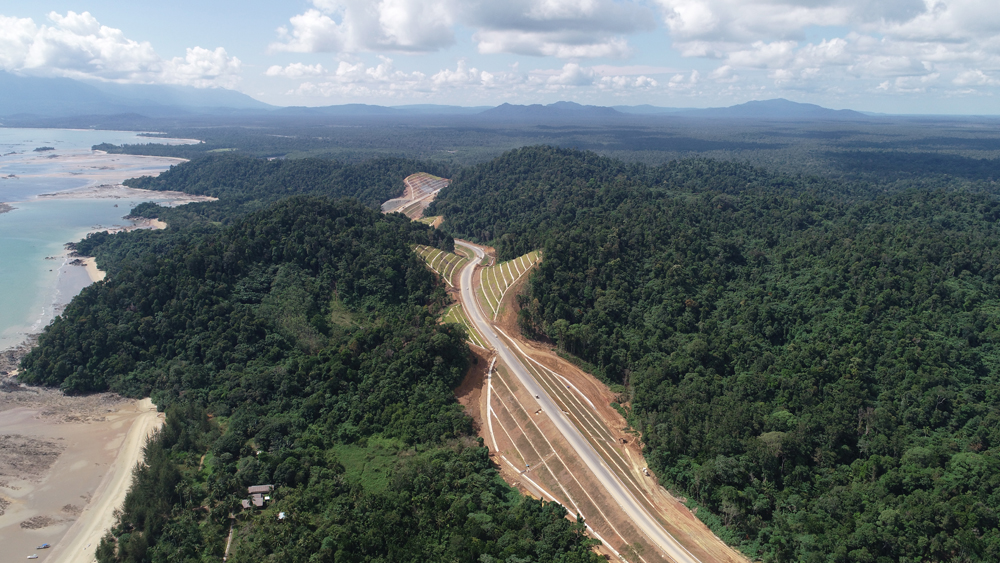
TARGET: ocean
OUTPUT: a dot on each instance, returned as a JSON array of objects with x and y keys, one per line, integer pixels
[{"x": 36, "y": 279}]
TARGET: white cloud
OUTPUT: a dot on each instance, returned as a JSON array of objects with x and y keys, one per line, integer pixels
[
  {"x": 460, "y": 76},
  {"x": 764, "y": 55},
  {"x": 360, "y": 80},
  {"x": 975, "y": 78},
  {"x": 78, "y": 46},
  {"x": 557, "y": 28},
  {"x": 295, "y": 70},
  {"x": 620, "y": 83},
  {"x": 360, "y": 25},
  {"x": 202, "y": 68},
  {"x": 891, "y": 45},
  {"x": 572, "y": 74},
  {"x": 556, "y": 44}
]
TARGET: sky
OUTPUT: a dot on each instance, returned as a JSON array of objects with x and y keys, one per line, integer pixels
[{"x": 894, "y": 56}]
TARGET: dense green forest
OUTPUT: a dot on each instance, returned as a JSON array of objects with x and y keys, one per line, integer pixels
[
  {"x": 815, "y": 364},
  {"x": 890, "y": 152},
  {"x": 243, "y": 185},
  {"x": 299, "y": 347},
  {"x": 812, "y": 360}
]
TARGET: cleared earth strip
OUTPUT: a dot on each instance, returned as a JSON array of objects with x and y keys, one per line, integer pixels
[
  {"x": 504, "y": 292},
  {"x": 496, "y": 280},
  {"x": 524, "y": 434},
  {"x": 552, "y": 450},
  {"x": 565, "y": 467},
  {"x": 589, "y": 424},
  {"x": 586, "y": 421},
  {"x": 487, "y": 288},
  {"x": 599, "y": 445}
]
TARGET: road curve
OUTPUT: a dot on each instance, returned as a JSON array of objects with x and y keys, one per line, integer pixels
[{"x": 583, "y": 449}]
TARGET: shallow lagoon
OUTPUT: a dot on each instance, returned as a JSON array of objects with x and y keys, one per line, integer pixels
[{"x": 33, "y": 288}]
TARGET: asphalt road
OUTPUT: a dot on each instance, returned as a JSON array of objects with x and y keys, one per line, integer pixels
[{"x": 583, "y": 449}]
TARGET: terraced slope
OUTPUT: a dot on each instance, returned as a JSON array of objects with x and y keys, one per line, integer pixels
[
  {"x": 444, "y": 264},
  {"x": 455, "y": 314},
  {"x": 420, "y": 191},
  {"x": 495, "y": 280}
]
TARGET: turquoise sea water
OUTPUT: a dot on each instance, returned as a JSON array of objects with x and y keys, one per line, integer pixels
[{"x": 33, "y": 288}]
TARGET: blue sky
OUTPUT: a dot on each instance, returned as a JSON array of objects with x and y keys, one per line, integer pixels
[{"x": 898, "y": 56}]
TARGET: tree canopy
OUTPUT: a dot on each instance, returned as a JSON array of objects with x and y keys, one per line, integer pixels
[{"x": 815, "y": 366}]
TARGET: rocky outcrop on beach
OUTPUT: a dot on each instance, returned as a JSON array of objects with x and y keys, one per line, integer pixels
[
  {"x": 4, "y": 208},
  {"x": 10, "y": 359},
  {"x": 27, "y": 457}
]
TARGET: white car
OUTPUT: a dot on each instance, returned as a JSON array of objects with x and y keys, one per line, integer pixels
[{"x": 35, "y": 556}]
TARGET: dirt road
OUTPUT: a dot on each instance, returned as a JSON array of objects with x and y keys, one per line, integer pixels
[{"x": 81, "y": 539}]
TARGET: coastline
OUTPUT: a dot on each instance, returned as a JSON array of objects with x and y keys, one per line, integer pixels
[
  {"x": 96, "y": 275},
  {"x": 80, "y": 542},
  {"x": 70, "y": 175},
  {"x": 90, "y": 262},
  {"x": 65, "y": 466},
  {"x": 119, "y": 191}
]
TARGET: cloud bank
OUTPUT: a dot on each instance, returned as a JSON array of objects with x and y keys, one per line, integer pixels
[
  {"x": 737, "y": 48},
  {"x": 78, "y": 46},
  {"x": 552, "y": 28}
]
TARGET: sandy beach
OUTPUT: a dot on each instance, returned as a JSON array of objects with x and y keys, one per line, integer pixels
[
  {"x": 118, "y": 191},
  {"x": 60, "y": 182},
  {"x": 90, "y": 166},
  {"x": 95, "y": 274},
  {"x": 65, "y": 465}
]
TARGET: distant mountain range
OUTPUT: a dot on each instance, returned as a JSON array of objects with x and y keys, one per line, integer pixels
[
  {"x": 58, "y": 97},
  {"x": 63, "y": 97},
  {"x": 774, "y": 109},
  {"x": 566, "y": 110}
]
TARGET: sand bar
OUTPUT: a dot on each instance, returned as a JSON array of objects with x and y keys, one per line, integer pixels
[
  {"x": 89, "y": 166},
  {"x": 118, "y": 191},
  {"x": 65, "y": 468}
]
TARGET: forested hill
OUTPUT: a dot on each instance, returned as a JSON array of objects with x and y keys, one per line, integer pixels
[
  {"x": 297, "y": 347},
  {"x": 245, "y": 183},
  {"x": 520, "y": 198},
  {"x": 819, "y": 371}
]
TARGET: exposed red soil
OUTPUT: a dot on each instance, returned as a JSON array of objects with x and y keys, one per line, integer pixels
[{"x": 470, "y": 392}]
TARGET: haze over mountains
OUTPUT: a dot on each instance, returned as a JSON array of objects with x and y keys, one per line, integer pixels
[{"x": 25, "y": 96}]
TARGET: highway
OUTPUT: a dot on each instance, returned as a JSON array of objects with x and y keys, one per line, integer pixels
[{"x": 667, "y": 544}]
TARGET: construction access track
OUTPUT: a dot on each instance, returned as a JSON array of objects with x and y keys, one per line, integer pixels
[{"x": 550, "y": 438}]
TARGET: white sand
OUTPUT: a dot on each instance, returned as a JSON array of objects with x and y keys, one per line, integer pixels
[
  {"x": 95, "y": 274},
  {"x": 100, "y": 438},
  {"x": 82, "y": 538},
  {"x": 96, "y": 167},
  {"x": 118, "y": 191}
]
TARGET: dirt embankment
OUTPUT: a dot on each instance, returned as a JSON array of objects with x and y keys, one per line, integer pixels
[{"x": 470, "y": 392}]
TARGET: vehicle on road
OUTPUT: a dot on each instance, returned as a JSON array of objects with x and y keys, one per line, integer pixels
[
  {"x": 33, "y": 556},
  {"x": 43, "y": 546}
]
